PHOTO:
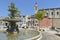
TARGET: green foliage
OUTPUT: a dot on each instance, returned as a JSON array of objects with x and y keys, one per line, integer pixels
[
  {"x": 12, "y": 5},
  {"x": 14, "y": 12},
  {"x": 16, "y": 15},
  {"x": 40, "y": 14}
]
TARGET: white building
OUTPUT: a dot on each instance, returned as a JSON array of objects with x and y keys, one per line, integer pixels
[
  {"x": 52, "y": 12},
  {"x": 32, "y": 22},
  {"x": 24, "y": 21}
]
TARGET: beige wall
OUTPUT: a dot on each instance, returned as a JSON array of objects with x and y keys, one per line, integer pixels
[{"x": 56, "y": 22}]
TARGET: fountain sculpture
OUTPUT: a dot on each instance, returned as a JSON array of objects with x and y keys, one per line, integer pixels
[{"x": 12, "y": 20}]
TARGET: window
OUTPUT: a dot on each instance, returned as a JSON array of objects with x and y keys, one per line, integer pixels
[
  {"x": 51, "y": 13},
  {"x": 57, "y": 13},
  {"x": 23, "y": 16},
  {"x": 28, "y": 18},
  {"x": 33, "y": 21},
  {"x": 36, "y": 21},
  {"x": 35, "y": 24},
  {"x": 46, "y": 14}
]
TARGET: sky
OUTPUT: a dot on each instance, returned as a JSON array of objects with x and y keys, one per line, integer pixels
[{"x": 27, "y": 6}]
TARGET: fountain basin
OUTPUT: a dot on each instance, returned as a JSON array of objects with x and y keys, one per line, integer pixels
[{"x": 22, "y": 35}]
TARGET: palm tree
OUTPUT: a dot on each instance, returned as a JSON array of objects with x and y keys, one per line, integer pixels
[{"x": 40, "y": 15}]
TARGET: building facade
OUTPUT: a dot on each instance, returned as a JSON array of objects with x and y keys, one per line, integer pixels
[
  {"x": 51, "y": 19},
  {"x": 32, "y": 22},
  {"x": 52, "y": 12},
  {"x": 23, "y": 22},
  {"x": 54, "y": 15}
]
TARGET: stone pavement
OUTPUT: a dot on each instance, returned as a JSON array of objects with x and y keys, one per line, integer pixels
[{"x": 49, "y": 36}]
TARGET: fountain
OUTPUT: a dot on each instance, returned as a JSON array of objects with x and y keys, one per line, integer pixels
[
  {"x": 22, "y": 33},
  {"x": 12, "y": 20}
]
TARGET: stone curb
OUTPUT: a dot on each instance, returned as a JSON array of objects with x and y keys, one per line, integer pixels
[{"x": 38, "y": 37}]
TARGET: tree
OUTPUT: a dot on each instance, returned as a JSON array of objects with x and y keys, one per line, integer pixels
[{"x": 40, "y": 15}]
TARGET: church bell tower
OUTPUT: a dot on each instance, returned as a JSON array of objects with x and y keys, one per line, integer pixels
[{"x": 36, "y": 7}]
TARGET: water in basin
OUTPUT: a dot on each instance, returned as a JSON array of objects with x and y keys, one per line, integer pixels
[{"x": 23, "y": 34}]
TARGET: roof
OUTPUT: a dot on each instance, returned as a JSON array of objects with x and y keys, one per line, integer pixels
[
  {"x": 33, "y": 16},
  {"x": 49, "y": 8}
]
